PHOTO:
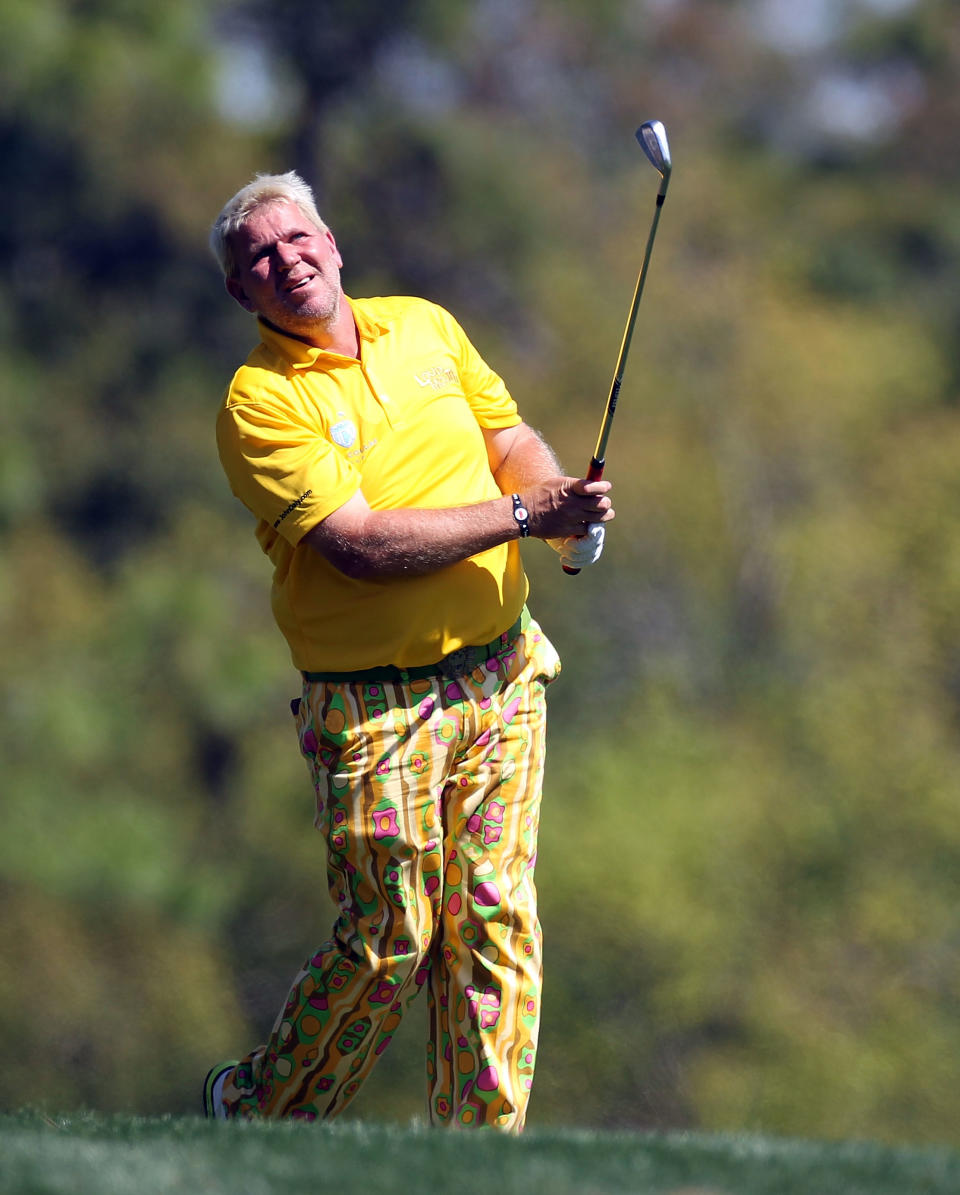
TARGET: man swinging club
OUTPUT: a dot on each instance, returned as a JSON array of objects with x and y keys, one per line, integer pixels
[{"x": 391, "y": 478}]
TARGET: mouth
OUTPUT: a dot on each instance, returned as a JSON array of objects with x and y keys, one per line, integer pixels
[{"x": 291, "y": 287}]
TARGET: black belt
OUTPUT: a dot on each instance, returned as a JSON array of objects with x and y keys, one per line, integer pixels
[{"x": 458, "y": 663}]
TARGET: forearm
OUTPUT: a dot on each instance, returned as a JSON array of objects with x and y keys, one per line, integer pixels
[{"x": 412, "y": 542}]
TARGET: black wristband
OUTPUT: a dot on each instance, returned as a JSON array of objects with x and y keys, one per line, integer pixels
[{"x": 520, "y": 514}]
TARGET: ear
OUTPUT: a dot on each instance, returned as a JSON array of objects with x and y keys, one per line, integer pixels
[
  {"x": 236, "y": 291},
  {"x": 335, "y": 251}
]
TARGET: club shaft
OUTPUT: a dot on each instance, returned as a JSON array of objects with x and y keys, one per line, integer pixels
[
  {"x": 658, "y": 152},
  {"x": 595, "y": 470},
  {"x": 600, "y": 452}
]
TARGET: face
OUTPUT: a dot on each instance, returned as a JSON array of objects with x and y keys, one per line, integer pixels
[{"x": 287, "y": 270}]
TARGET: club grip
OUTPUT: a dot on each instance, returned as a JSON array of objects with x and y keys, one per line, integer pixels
[{"x": 594, "y": 473}]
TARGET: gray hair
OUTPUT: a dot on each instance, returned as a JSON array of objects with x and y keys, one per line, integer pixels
[{"x": 265, "y": 188}]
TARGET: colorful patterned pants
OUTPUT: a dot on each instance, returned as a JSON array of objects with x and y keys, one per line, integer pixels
[{"x": 428, "y": 794}]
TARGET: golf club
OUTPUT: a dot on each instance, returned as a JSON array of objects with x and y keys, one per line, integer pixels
[{"x": 653, "y": 140}]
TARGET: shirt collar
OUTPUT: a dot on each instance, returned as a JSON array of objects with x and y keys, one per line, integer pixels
[{"x": 302, "y": 355}]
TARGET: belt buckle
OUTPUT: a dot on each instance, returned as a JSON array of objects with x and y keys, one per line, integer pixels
[{"x": 458, "y": 663}]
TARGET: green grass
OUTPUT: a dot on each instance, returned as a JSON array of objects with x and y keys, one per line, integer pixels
[{"x": 99, "y": 1155}]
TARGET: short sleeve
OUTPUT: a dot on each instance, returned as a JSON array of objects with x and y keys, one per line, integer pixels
[
  {"x": 282, "y": 469},
  {"x": 483, "y": 388}
]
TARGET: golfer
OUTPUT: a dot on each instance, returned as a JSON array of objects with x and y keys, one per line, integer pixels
[{"x": 391, "y": 479}]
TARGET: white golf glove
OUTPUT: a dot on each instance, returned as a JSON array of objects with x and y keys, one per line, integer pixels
[{"x": 578, "y": 551}]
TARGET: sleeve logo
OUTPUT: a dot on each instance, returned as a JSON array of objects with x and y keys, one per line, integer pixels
[{"x": 292, "y": 507}]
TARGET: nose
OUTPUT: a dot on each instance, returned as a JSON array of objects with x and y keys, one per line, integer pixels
[{"x": 287, "y": 255}]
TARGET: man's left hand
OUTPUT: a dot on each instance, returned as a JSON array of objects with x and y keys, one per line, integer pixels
[{"x": 577, "y": 551}]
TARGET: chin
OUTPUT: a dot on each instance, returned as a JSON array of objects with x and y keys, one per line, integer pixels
[{"x": 316, "y": 307}]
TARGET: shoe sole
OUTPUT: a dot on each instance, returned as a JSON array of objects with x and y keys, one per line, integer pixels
[{"x": 210, "y": 1108}]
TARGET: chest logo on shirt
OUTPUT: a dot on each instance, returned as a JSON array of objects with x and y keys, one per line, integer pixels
[
  {"x": 344, "y": 433},
  {"x": 438, "y": 377}
]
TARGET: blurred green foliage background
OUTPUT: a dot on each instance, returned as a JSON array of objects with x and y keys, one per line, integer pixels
[{"x": 750, "y": 863}]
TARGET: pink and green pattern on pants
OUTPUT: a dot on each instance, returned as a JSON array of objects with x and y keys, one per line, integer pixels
[{"x": 428, "y": 795}]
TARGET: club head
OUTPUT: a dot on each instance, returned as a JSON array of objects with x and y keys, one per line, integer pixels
[{"x": 653, "y": 141}]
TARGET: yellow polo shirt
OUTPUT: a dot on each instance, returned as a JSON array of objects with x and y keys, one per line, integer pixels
[{"x": 301, "y": 430}]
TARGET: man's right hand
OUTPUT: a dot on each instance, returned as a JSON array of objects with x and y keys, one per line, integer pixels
[{"x": 565, "y": 506}]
